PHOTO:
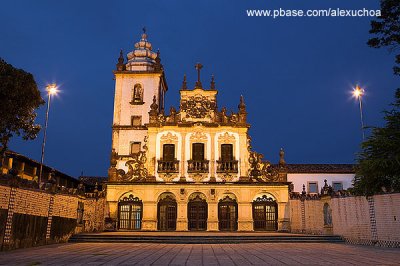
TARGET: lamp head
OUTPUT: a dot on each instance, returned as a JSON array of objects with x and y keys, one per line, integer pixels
[
  {"x": 52, "y": 89},
  {"x": 358, "y": 92}
]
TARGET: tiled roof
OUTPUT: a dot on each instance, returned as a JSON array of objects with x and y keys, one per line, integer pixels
[
  {"x": 35, "y": 163},
  {"x": 91, "y": 180},
  {"x": 321, "y": 168}
]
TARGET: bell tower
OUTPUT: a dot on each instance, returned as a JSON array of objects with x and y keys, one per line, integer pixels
[{"x": 138, "y": 81}]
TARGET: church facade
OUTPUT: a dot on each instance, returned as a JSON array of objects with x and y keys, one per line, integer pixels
[{"x": 191, "y": 168}]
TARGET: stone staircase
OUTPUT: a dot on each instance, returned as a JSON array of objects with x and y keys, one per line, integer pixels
[{"x": 187, "y": 238}]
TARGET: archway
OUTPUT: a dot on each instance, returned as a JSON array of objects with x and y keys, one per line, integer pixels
[
  {"x": 130, "y": 211},
  {"x": 167, "y": 212},
  {"x": 265, "y": 214},
  {"x": 227, "y": 214},
  {"x": 197, "y": 212}
]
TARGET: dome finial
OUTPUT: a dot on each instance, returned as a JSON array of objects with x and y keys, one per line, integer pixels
[{"x": 144, "y": 35}]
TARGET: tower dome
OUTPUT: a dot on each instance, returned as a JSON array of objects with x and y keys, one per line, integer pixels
[{"x": 142, "y": 58}]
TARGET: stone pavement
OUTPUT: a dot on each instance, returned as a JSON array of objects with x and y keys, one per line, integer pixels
[{"x": 214, "y": 254}]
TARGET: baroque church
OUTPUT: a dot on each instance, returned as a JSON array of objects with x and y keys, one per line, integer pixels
[{"x": 191, "y": 168}]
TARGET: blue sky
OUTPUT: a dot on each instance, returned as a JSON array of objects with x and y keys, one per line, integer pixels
[{"x": 295, "y": 73}]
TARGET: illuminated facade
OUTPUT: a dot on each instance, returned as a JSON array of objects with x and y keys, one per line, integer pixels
[{"x": 190, "y": 169}]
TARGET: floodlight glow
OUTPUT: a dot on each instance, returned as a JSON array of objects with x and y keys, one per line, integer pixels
[
  {"x": 358, "y": 92},
  {"x": 52, "y": 89}
]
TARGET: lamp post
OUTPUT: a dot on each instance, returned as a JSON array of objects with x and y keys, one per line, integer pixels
[
  {"x": 358, "y": 93},
  {"x": 51, "y": 90}
]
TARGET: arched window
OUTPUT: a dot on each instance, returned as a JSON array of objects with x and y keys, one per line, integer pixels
[
  {"x": 197, "y": 212},
  {"x": 137, "y": 97},
  {"x": 327, "y": 215},
  {"x": 265, "y": 214},
  {"x": 167, "y": 212},
  {"x": 130, "y": 213},
  {"x": 227, "y": 214}
]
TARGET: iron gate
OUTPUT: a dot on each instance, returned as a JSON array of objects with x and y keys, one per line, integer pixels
[
  {"x": 166, "y": 212},
  {"x": 265, "y": 214},
  {"x": 130, "y": 213},
  {"x": 197, "y": 214}
]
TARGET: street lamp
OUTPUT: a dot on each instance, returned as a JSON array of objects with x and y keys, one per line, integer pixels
[
  {"x": 358, "y": 93},
  {"x": 51, "y": 90}
]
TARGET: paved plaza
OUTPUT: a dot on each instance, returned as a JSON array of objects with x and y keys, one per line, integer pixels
[{"x": 214, "y": 254}]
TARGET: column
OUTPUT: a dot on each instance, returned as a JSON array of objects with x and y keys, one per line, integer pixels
[
  {"x": 212, "y": 159},
  {"x": 183, "y": 158},
  {"x": 10, "y": 163},
  {"x": 21, "y": 169}
]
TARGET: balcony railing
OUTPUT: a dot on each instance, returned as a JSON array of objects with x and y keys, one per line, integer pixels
[
  {"x": 197, "y": 166},
  {"x": 168, "y": 166},
  {"x": 227, "y": 166}
]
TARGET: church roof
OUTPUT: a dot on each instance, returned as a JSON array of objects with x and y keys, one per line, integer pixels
[{"x": 321, "y": 168}]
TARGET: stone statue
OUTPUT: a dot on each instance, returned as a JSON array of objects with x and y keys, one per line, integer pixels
[{"x": 282, "y": 157}]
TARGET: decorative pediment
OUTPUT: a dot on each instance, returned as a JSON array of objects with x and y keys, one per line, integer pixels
[
  {"x": 226, "y": 138},
  {"x": 198, "y": 136},
  {"x": 169, "y": 138}
]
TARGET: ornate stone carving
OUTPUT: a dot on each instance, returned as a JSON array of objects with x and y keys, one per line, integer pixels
[
  {"x": 168, "y": 177},
  {"x": 198, "y": 136},
  {"x": 197, "y": 177},
  {"x": 261, "y": 171},
  {"x": 136, "y": 166},
  {"x": 169, "y": 138},
  {"x": 227, "y": 177},
  {"x": 226, "y": 138},
  {"x": 198, "y": 106}
]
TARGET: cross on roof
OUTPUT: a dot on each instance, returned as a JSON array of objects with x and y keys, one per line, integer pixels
[{"x": 198, "y": 67}]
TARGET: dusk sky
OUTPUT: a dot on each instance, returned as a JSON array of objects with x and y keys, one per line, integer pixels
[{"x": 296, "y": 74}]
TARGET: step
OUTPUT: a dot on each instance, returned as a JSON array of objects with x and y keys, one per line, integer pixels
[{"x": 204, "y": 239}]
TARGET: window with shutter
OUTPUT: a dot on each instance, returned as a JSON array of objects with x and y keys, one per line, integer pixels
[
  {"x": 168, "y": 152},
  {"x": 198, "y": 151},
  {"x": 226, "y": 152}
]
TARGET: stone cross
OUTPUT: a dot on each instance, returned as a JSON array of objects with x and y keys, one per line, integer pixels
[{"x": 198, "y": 67}]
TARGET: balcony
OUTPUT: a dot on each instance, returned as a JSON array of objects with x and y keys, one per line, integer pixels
[
  {"x": 168, "y": 166},
  {"x": 227, "y": 166},
  {"x": 198, "y": 166}
]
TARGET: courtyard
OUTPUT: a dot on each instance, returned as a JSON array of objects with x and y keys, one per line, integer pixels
[{"x": 201, "y": 254}]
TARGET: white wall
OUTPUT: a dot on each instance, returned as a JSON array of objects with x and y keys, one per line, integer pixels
[{"x": 299, "y": 179}]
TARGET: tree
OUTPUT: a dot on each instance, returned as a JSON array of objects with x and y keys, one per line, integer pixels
[
  {"x": 19, "y": 98},
  {"x": 379, "y": 161},
  {"x": 387, "y": 30}
]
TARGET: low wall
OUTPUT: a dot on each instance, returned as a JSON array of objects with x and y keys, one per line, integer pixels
[
  {"x": 370, "y": 221},
  {"x": 31, "y": 217}
]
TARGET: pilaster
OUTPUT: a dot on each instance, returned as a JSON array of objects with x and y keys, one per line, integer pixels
[
  {"x": 212, "y": 220},
  {"x": 182, "y": 219},
  {"x": 149, "y": 221},
  {"x": 245, "y": 222}
]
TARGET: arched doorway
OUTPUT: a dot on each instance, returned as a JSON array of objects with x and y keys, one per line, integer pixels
[
  {"x": 227, "y": 214},
  {"x": 265, "y": 214},
  {"x": 166, "y": 212},
  {"x": 197, "y": 212},
  {"x": 130, "y": 211}
]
